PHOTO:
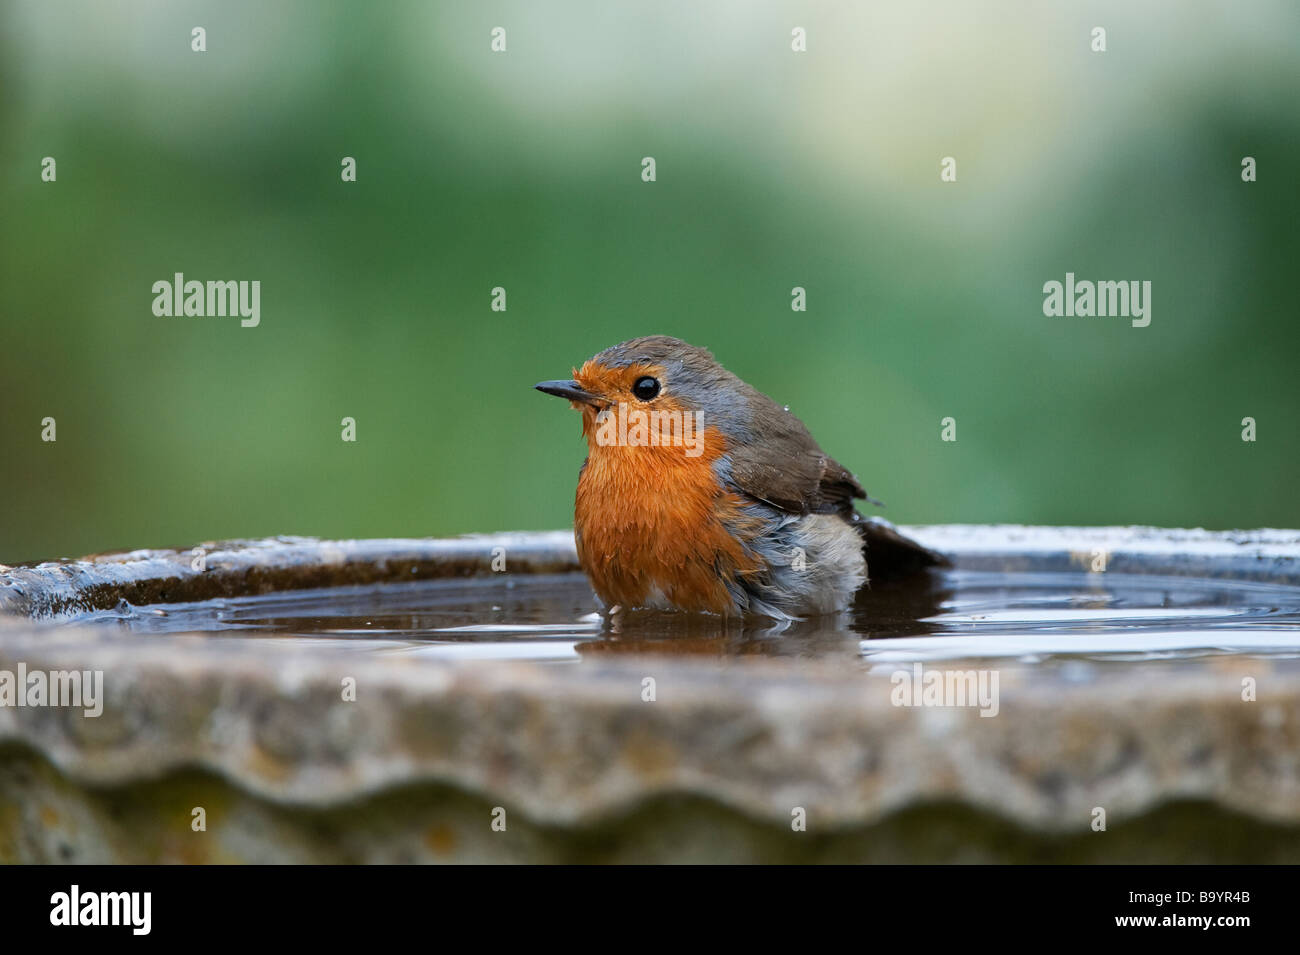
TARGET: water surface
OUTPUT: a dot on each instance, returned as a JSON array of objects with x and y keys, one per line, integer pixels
[{"x": 1029, "y": 617}]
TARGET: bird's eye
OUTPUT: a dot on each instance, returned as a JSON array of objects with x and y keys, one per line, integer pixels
[{"x": 646, "y": 388}]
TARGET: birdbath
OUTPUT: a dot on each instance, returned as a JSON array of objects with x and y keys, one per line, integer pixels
[{"x": 1044, "y": 698}]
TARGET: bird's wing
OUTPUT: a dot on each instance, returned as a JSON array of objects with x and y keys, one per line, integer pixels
[{"x": 788, "y": 470}]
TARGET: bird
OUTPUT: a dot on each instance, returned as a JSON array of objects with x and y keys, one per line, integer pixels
[{"x": 702, "y": 494}]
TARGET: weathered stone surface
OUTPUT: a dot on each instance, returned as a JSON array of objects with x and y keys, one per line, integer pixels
[
  {"x": 1265, "y": 554},
  {"x": 245, "y": 567}
]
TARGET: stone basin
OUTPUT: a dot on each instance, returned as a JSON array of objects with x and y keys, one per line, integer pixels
[{"x": 460, "y": 701}]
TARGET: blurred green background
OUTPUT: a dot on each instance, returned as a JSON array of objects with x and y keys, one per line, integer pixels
[{"x": 522, "y": 169}]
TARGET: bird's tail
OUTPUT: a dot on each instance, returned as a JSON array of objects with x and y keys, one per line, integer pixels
[{"x": 892, "y": 554}]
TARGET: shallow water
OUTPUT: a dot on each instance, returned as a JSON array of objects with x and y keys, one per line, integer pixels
[{"x": 1031, "y": 617}]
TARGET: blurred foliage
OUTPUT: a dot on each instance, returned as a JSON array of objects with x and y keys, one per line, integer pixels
[{"x": 522, "y": 169}]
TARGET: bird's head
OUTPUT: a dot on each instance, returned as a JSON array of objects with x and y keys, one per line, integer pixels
[{"x": 663, "y": 383}]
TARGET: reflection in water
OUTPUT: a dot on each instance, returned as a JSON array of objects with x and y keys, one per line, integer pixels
[{"x": 936, "y": 614}]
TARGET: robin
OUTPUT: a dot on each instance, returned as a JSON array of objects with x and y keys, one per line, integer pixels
[{"x": 700, "y": 493}]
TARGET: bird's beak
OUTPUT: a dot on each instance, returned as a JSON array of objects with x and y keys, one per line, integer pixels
[{"x": 570, "y": 390}]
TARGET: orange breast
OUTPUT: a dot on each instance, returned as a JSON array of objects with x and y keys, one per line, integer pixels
[{"x": 649, "y": 527}]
